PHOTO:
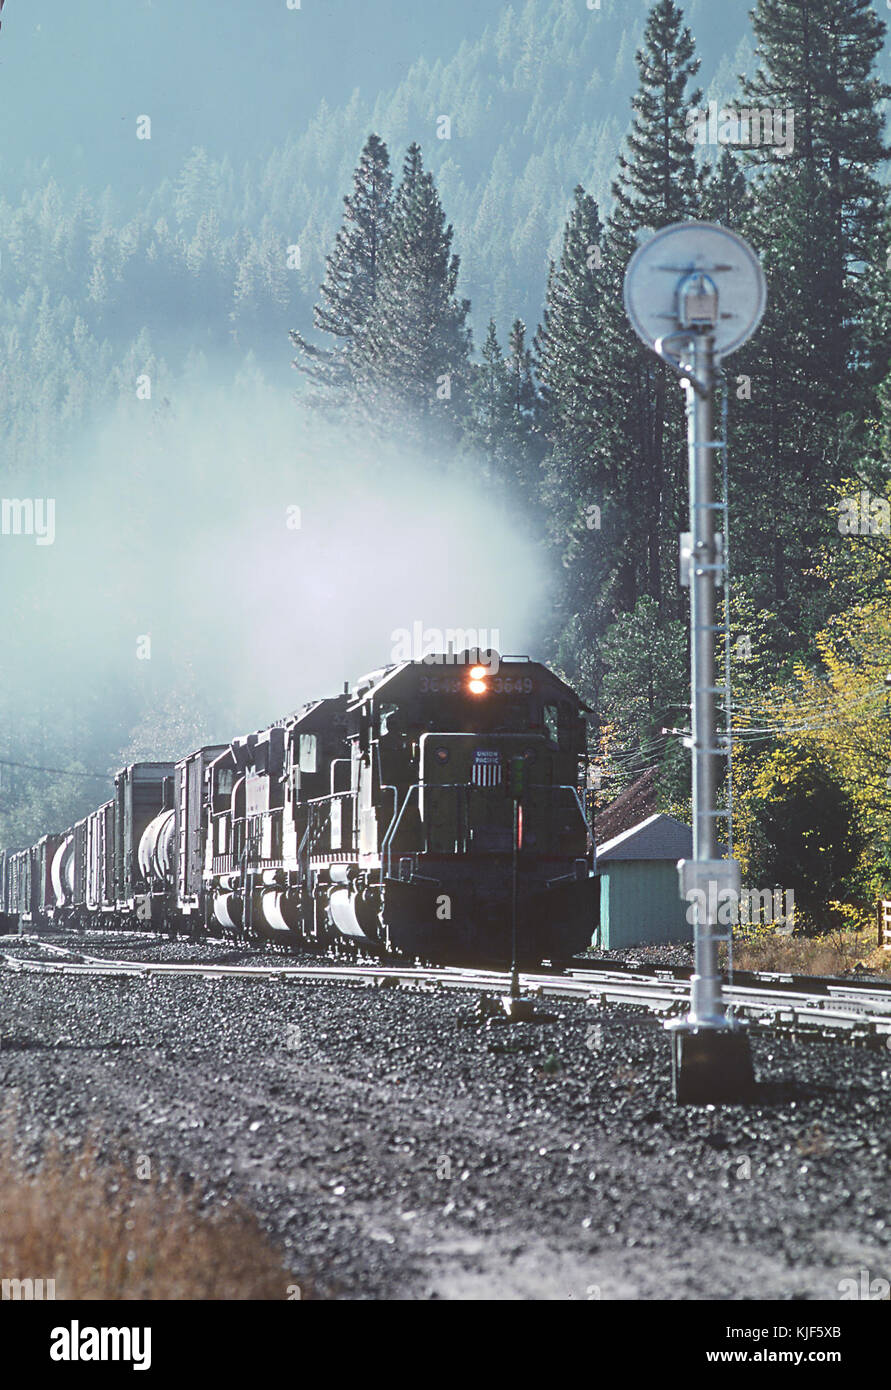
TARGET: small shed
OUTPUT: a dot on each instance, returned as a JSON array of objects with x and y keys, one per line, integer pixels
[{"x": 640, "y": 900}]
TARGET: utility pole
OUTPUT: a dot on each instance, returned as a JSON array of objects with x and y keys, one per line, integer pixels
[
  {"x": 517, "y": 1006},
  {"x": 694, "y": 293}
]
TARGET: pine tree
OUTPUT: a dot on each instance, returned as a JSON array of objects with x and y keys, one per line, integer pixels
[
  {"x": 492, "y": 405},
  {"x": 520, "y": 367},
  {"x": 724, "y": 193},
  {"x": 815, "y": 64},
  {"x": 414, "y": 359},
  {"x": 614, "y": 417},
  {"x": 572, "y": 396},
  {"x": 816, "y": 218},
  {"x": 656, "y": 183},
  {"x": 502, "y": 424},
  {"x": 350, "y": 288},
  {"x": 641, "y": 431}
]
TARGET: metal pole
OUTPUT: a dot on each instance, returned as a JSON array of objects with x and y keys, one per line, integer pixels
[
  {"x": 514, "y": 971},
  {"x": 715, "y": 306},
  {"x": 706, "y": 1004}
]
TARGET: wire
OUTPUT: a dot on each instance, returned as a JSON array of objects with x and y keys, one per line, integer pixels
[{"x": 56, "y": 771}]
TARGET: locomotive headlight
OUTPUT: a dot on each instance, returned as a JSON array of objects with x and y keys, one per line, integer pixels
[
  {"x": 477, "y": 673},
  {"x": 478, "y": 687}
]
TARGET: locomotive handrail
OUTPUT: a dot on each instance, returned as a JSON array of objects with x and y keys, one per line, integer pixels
[
  {"x": 578, "y": 801},
  {"x": 389, "y": 835},
  {"x": 387, "y": 842},
  {"x": 334, "y": 764},
  {"x": 315, "y": 801}
]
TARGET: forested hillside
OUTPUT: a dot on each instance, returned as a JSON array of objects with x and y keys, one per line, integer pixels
[{"x": 196, "y": 256}]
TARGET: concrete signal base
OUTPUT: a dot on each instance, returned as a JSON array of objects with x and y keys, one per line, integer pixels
[{"x": 711, "y": 1066}]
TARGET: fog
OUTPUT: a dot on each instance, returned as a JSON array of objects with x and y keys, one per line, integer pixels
[{"x": 221, "y": 555}]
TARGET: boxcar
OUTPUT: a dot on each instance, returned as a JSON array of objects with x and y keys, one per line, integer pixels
[
  {"x": 190, "y": 779},
  {"x": 45, "y": 852},
  {"x": 21, "y": 885},
  {"x": 138, "y": 797},
  {"x": 8, "y": 912},
  {"x": 100, "y": 860},
  {"x": 79, "y": 894}
]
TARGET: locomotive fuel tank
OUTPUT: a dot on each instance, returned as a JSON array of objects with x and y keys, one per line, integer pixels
[{"x": 228, "y": 909}]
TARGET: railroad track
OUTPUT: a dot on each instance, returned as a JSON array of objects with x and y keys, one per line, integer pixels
[{"x": 856, "y": 1011}]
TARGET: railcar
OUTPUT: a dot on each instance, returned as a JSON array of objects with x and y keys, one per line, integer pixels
[
  {"x": 9, "y": 914},
  {"x": 23, "y": 886},
  {"x": 139, "y": 793}
]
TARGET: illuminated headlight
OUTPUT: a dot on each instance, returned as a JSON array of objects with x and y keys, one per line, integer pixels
[
  {"x": 478, "y": 687},
  {"x": 477, "y": 673}
]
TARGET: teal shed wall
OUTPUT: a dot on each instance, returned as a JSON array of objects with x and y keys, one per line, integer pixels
[{"x": 640, "y": 903}]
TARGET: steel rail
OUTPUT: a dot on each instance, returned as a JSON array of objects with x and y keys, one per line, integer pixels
[{"x": 862, "y": 1018}]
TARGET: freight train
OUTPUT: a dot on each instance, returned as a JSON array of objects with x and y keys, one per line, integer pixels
[{"x": 435, "y": 810}]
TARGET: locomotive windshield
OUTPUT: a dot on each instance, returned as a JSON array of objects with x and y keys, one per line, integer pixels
[
  {"x": 491, "y": 714},
  {"x": 456, "y": 714}
]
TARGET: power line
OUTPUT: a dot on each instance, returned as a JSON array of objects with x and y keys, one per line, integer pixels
[{"x": 56, "y": 771}]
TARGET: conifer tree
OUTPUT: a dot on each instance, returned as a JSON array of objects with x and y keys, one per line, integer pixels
[
  {"x": 349, "y": 291},
  {"x": 816, "y": 62},
  {"x": 492, "y": 405},
  {"x": 724, "y": 193},
  {"x": 570, "y": 324},
  {"x": 640, "y": 427},
  {"x": 656, "y": 183},
  {"x": 414, "y": 358},
  {"x": 817, "y": 210},
  {"x": 614, "y": 476},
  {"x": 503, "y": 403},
  {"x": 574, "y": 482},
  {"x": 520, "y": 368}
]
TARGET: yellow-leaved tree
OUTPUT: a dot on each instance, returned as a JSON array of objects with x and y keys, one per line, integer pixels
[{"x": 814, "y": 810}]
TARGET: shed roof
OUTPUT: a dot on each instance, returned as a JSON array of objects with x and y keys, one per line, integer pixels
[
  {"x": 657, "y": 837},
  {"x": 630, "y": 807}
]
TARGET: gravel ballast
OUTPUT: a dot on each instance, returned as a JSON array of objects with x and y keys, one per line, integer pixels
[{"x": 394, "y": 1144}]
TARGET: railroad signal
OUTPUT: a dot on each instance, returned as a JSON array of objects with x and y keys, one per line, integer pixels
[
  {"x": 694, "y": 293},
  {"x": 517, "y": 1006}
]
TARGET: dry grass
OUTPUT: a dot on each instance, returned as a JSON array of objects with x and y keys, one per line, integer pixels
[
  {"x": 830, "y": 954},
  {"x": 101, "y": 1233}
]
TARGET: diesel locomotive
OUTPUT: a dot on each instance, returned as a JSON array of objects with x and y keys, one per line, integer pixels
[{"x": 434, "y": 810}]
